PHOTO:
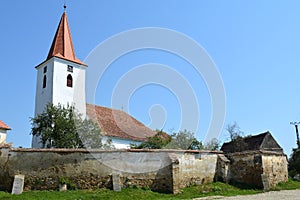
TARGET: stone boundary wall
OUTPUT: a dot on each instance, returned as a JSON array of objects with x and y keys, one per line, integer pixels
[
  {"x": 159, "y": 170},
  {"x": 193, "y": 169}
]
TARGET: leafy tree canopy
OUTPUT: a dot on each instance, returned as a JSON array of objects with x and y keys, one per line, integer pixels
[
  {"x": 62, "y": 127},
  {"x": 158, "y": 141},
  {"x": 212, "y": 145},
  {"x": 294, "y": 163},
  {"x": 182, "y": 140}
]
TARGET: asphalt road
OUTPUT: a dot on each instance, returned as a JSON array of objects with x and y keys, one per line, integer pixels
[{"x": 274, "y": 195}]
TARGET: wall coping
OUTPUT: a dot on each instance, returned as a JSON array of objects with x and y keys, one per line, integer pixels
[
  {"x": 54, "y": 150},
  {"x": 264, "y": 152}
]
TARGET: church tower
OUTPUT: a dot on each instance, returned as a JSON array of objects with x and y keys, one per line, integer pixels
[{"x": 61, "y": 77}]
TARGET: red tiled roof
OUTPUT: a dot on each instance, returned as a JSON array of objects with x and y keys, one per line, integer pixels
[
  {"x": 62, "y": 45},
  {"x": 4, "y": 126},
  {"x": 116, "y": 123},
  {"x": 263, "y": 141}
]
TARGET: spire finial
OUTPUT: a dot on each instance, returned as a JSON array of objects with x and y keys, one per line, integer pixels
[{"x": 65, "y": 7}]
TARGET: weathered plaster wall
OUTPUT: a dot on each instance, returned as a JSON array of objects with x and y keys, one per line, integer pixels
[
  {"x": 247, "y": 167},
  {"x": 160, "y": 170},
  {"x": 193, "y": 169},
  {"x": 222, "y": 169},
  {"x": 275, "y": 167}
]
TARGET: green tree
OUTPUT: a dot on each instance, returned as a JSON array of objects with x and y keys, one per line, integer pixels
[
  {"x": 62, "y": 127},
  {"x": 158, "y": 141},
  {"x": 184, "y": 140},
  {"x": 212, "y": 145},
  {"x": 181, "y": 140},
  {"x": 90, "y": 135},
  {"x": 294, "y": 163},
  {"x": 196, "y": 145}
]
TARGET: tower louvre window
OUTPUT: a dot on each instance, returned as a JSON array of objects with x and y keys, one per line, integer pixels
[
  {"x": 44, "y": 81},
  {"x": 45, "y": 69},
  {"x": 70, "y": 68},
  {"x": 69, "y": 81}
]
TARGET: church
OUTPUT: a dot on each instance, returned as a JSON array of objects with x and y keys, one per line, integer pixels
[{"x": 61, "y": 80}]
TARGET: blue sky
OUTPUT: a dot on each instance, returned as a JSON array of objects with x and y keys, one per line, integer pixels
[{"x": 254, "y": 44}]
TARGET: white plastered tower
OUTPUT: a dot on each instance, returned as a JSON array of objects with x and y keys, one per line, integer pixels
[{"x": 61, "y": 77}]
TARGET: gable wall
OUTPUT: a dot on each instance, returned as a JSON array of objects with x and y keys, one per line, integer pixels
[{"x": 269, "y": 143}]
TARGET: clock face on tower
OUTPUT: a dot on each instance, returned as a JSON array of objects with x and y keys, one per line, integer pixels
[{"x": 70, "y": 68}]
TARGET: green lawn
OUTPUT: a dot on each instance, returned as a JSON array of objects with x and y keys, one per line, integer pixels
[{"x": 209, "y": 189}]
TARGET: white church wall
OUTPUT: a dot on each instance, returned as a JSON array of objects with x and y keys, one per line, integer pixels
[
  {"x": 2, "y": 136},
  {"x": 43, "y": 95},
  {"x": 79, "y": 90},
  {"x": 120, "y": 143},
  {"x": 69, "y": 95}
]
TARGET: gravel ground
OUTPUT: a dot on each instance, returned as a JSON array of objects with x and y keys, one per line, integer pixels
[{"x": 274, "y": 195}]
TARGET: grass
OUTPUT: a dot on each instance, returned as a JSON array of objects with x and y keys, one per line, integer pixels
[
  {"x": 290, "y": 185},
  {"x": 209, "y": 189}
]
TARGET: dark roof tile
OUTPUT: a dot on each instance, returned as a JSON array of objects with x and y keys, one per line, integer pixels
[{"x": 263, "y": 141}]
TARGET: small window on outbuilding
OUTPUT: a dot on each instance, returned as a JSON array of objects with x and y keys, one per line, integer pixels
[
  {"x": 69, "y": 81},
  {"x": 44, "y": 81}
]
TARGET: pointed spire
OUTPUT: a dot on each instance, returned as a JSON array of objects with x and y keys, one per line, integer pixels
[{"x": 62, "y": 45}]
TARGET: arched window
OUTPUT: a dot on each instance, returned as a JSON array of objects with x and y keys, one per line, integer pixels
[
  {"x": 44, "y": 81},
  {"x": 69, "y": 81}
]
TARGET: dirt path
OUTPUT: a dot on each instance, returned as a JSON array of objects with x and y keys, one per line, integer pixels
[{"x": 274, "y": 195}]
